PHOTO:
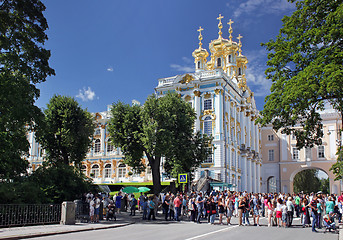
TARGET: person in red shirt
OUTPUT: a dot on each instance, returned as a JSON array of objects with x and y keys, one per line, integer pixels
[
  {"x": 340, "y": 198},
  {"x": 177, "y": 204}
]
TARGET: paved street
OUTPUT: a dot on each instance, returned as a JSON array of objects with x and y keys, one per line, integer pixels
[{"x": 188, "y": 231}]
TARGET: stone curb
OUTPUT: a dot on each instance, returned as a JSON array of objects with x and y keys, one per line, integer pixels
[{"x": 43, "y": 234}]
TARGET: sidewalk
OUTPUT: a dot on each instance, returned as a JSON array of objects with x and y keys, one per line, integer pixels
[{"x": 123, "y": 219}]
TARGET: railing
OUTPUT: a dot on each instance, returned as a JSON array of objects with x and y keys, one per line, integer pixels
[
  {"x": 81, "y": 211},
  {"x": 29, "y": 214}
]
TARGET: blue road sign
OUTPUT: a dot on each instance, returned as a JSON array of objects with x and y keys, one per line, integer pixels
[{"x": 182, "y": 178}]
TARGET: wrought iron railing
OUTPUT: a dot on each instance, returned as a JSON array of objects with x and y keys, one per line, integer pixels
[
  {"x": 81, "y": 211},
  {"x": 29, "y": 214}
]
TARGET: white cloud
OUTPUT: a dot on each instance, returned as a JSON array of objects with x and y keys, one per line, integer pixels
[
  {"x": 110, "y": 69},
  {"x": 262, "y": 7},
  {"x": 255, "y": 76},
  {"x": 86, "y": 94},
  {"x": 180, "y": 68},
  {"x": 187, "y": 65}
]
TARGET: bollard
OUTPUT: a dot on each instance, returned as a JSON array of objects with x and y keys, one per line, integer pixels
[{"x": 68, "y": 213}]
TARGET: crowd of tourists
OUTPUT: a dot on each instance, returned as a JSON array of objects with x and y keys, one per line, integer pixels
[{"x": 313, "y": 209}]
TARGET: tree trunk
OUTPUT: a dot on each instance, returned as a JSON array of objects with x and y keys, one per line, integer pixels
[{"x": 156, "y": 176}]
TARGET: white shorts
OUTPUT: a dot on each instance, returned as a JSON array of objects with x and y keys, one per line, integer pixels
[{"x": 91, "y": 211}]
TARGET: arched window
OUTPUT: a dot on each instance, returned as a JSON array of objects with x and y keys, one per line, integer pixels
[
  {"x": 97, "y": 146},
  {"x": 84, "y": 169},
  {"x": 208, "y": 104},
  {"x": 109, "y": 147},
  {"x": 208, "y": 125},
  {"x": 198, "y": 64},
  {"x": 121, "y": 170},
  {"x": 229, "y": 58},
  {"x": 108, "y": 171},
  {"x": 219, "y": 62},
  {"x": 239, "y": 71},
  {"x": 95, "y": 171}
]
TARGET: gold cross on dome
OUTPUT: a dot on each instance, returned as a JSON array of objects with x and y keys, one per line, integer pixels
[
  {"x": 239, "y": 37},
  {"x": 200, "y": 29},
  {"x": 220, "y": 18},
  {"x": 230, "y": 22}
]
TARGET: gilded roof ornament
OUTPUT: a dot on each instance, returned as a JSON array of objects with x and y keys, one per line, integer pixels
[
  {"x": 220, "y": 25},
  {"x": 187, "y": 79},
  {"x": 230, "y": 29},
  {"x": 239, "y": 44},
  {"x": 200, "y": 37}
]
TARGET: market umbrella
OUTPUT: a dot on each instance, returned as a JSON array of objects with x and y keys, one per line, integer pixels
[
  {"x": 144, "y": 189},
  {"x": 130, "y": 190},
  {"x": 113, "y": 193}
]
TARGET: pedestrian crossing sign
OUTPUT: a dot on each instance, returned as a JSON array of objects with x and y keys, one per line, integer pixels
[{"x": 182, "y": 178}]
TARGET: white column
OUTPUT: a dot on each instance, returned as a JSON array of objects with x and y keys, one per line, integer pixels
[
  {"x": 102, "y": 140},
  {"x": 198, "y": 111}
]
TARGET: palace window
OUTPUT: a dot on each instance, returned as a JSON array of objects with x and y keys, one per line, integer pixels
[
  {"x": 95, "y": 171},
  {"x": 208, "y": 125},
  {"x": 209, "y": 159},
  {"x": 219, "y": 62},
  {"x": 270, "y": 137},
  {"x": 84, "y": 169},
  {"x": 271, "y": 155},
  {"x": 239, "y": 71},
  {"x": 121, "y": 170},
  {"x": 107, "y": 171},
  {"x": 229, "y": 58},
  {"x": 109, "y": 147},
  {"x": 97, "y": 146},
  {"x": 198, "y": 64},
  {"x": 208, "y": 104},
  {"x": 295, "y": 153},
  {"x": 97, "y": 131},
  {"x": 321, "y": 153}
]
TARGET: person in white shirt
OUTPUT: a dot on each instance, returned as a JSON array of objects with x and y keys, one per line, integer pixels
[{"x": 91, "y": 209}]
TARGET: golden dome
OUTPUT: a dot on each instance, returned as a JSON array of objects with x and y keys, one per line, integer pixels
[{"x": 200, "y": 52}]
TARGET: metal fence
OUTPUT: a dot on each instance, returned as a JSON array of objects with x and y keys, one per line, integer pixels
[
  {"x": 29, "y": 214},
  {"x": 81, "y": 211}
]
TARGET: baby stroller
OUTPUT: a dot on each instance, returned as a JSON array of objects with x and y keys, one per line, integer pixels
[
  {"x": 329, "y": 223},
  {"x": 111, "y": 215}
]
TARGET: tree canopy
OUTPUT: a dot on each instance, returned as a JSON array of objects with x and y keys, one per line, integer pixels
[
  {"x": 66, "y": 132},
  {"x": 23, "y": 64},
  {"x": 162, "y": 127},
  {"x": 306, "y": 67},
  {"x": 307, "y": 181}
]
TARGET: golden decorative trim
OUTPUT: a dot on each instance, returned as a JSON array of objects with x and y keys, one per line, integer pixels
[
  {"x": 187, "y": 79},
  {"x": 188, "y": 98},
  {"x": 218, "y": 91},
  {"x": 197, "y": 93},
  {"x": 207, "y": 165},
  {"x": 207, "y": 95},
  {"x": 208, "y": 112}
]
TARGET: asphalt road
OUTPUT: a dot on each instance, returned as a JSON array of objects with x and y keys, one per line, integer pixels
[{"x": 191, "y": 231}]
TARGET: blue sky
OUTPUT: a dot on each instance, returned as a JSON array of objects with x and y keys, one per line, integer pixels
[{"x": 107, "y": 51}]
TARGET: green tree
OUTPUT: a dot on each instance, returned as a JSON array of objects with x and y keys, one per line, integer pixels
[
  {"x": 324, "y": 185},
  {"x": 60, "y": 183},
  {"x": 306, "y": 68},
  {"x": 66, "y": 132},
  {"x": 306, "y": 181},
  {"x": 162, "y": 127},
  {"x": 23, "y": 64}
]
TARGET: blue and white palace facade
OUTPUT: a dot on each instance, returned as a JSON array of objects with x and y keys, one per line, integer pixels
[{"x": 225, "y": 108}]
